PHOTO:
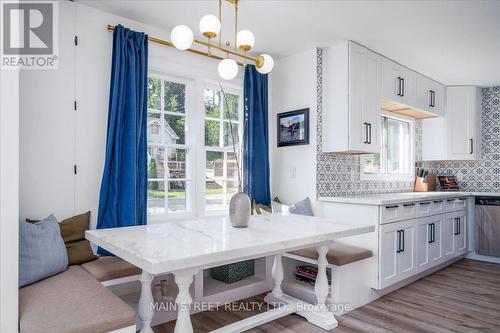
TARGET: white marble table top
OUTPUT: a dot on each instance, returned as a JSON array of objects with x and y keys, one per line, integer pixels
[{"x": 172, "y": 246}]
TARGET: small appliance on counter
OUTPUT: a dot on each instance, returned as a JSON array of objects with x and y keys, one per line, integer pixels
[
  {"x": 425, "y": 181},
  {"x": 448, "y": 183}
]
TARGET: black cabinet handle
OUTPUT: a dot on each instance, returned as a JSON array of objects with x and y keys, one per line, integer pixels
[
  {"x": 459, "y": 225},
  {"x": 366, "y": 132},
  {"x": 399, "y": 86},
  {"x": 391, "y": 206},
  {"x": 398, "y": 249},
  {"x": 409, "y": 204},
  {"x": 438, "y": 201},
  {"x": 462, "y": 199},
  {"x": 451, "y": 200},
  {"x": 430, "y": 98},
  {"x": 472, "y": 146},
  {"x": 433, "y": 232},
  {"x": 370, "y": 133},
  {"x": 433, "y": 99},
  {"x": 403, "y": 87},
  {"x": 425, "y": 203},
  {"x": 430, "y": 233},
  {"x": 402, "y": 241}
]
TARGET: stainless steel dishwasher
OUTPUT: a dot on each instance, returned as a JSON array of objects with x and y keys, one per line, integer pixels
[{"x": 487, "y": 226}]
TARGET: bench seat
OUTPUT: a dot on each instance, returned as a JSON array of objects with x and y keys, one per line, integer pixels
[
  {"x": 339, "y": 254},
  {"x": 110, "y": 268},
  {"x": 72, "y": 302}
]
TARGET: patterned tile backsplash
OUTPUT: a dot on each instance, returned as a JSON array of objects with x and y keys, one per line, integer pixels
[{"x": 339, "y": 175}]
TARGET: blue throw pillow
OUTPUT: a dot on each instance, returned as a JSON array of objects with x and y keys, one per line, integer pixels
[
  {"x": 300, "y": 208},
  {"x": 42, "y": 252}
]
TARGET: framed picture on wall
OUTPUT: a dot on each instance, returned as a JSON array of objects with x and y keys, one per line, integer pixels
[{"x": 293, "y": 128}]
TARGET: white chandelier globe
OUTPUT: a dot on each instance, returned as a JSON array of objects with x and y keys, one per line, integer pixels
[
  {"x": 182, "y": 37},
  {"x": 267, "y": 65},
  {"x": 245, "y": 39},
  {"x": 209, "y": 26},
  {"x": 228, "y": 69}
]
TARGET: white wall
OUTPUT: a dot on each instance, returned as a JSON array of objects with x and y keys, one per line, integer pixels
[
  {"x": 54, "y": 137},
  {"x": 293, "y": 86},
  {"x": 9, "y": 198}
]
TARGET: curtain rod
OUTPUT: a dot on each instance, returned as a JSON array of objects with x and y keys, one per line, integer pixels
[{"x": 167, "y": 43}]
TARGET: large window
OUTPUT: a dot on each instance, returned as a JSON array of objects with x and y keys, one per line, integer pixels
[
  {"x": 396, "y": 155},
  {"x": 192, "y": 168},
  {"x": 222, "y": 127},
  {"x": 169, "y": 179}
]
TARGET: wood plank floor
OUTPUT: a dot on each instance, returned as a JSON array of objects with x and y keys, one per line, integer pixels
[{"x": 463, "y": 297}]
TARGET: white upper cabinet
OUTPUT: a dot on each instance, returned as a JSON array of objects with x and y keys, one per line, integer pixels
[
  {"x": 430, "y": 95},
  {"x": 399, "y": 83},
  {"x": 351, "y": 104},
  {"x": 463, "y": 122}
]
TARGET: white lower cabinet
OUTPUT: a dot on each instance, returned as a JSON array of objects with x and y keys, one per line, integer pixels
[
  {"x": 429, "y": 244},
  {"x": 397, "y": 252},
  {"x": 412, "y": 246}
]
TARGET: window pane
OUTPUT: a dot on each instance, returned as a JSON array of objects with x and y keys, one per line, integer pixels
[
  {"x": 153, "y": 127},
  {"x": 177, "y": 196},
  {"x": 230, "y": 135},
  {"x": 214, "y": 166},
  {"x": 232, "y": 167},
  {"x": 176, "y": 163},
  {"x": 231, "y": 108},
  {"x": 156, "y": 159},
  {"x": 175, "y": 97},
  {"x": 232, "y": 188},
  {"x": 174, "y": 129},
  {"x": 398, "y": 146},
  {"x": 154, "y": 94},
  {"x": 156, "y": 197},
  {"x": 214, "y": 192},
  {"x": 212, "y": 133},
  {"x": 212, "y": 103},
  {"x": 371, "y": 163}
]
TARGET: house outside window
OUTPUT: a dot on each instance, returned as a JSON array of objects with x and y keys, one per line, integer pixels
[{"x": 397, "y": 155}]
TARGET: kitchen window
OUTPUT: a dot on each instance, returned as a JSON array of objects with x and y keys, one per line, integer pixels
[{"x": 397, "y": 157}]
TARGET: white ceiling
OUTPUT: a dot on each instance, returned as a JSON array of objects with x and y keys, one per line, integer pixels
[{"x": 454, "y": 42}]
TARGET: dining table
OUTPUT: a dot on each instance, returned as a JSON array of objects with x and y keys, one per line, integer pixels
[{"x": 184, "y": 248}]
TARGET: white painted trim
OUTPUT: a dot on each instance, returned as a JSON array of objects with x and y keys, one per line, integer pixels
[{"x": 9, "y": 199}]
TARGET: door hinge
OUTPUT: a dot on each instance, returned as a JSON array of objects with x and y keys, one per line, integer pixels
[
  {"x": 74, "y": 169},
  {"x": 75, "y": 105},
  {"x": 76, "y": 40}
]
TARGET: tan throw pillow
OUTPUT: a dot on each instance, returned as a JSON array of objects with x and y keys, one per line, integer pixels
[{"x": 73, "y": 233}]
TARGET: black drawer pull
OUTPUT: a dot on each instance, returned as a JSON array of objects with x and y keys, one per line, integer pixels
[
  {"x": 462, "y": 199},
  {"x": 409, "y": 204},
  {"x": 425, "y": 203},
  {"x": 451, "y": 200},
  {"x": 391, "y": 206},
  {"x": 438, "y": 201}
]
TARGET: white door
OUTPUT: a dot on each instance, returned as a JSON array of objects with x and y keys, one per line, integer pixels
[
  {"x": 406, "y": 257},
  {"x": 388, "y": 247},
  {"x": 371, "y": 99},
  {"x": 358, "y": 134},
  {"x": 460, "y": 233},
  {"x": 391, "y": 80},
  {"x": 424, "y": 239},
  {"x": 436, "y": 244},
  {"x": 448, "y": 235},
  {"x": 460, "y": 129}
]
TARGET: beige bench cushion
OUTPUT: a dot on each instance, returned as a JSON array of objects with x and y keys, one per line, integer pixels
[
  {"x": 109, "y": 268},
  {"x": 339, "y": 253},
  {"x": 71, "y": 302}
]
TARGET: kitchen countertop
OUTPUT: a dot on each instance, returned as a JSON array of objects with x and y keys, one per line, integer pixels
[{"x": 392, "y": 198}]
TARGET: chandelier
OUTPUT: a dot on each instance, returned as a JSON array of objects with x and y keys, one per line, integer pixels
[{"x": 210, "y": 27}]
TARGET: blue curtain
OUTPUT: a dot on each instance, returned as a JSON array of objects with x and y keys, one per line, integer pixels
[
  {"x": 123, "y": 196},
  {"x": 256, "y": 137}
]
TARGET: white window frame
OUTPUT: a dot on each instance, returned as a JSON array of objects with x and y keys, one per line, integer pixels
[
  {"x": 391, "y": 176},
  {"x": 234, "y": 90},
  {"x": 189, "y": 179}
]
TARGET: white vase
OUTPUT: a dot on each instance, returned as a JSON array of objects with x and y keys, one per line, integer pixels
[{"x": 239, "y": 210}]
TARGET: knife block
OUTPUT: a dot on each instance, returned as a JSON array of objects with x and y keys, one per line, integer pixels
[{"x": 429, "y": 186}]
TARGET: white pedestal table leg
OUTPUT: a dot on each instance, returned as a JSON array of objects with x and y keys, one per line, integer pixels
[
  {"x": 183, "y": 279},
  {"x": 146, "y": 309}
]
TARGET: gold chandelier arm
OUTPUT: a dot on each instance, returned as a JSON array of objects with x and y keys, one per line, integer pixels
[
  {"x": 236, "y": 25},
  {"x": 220, "y": 20},
  {"x": 167, "y": 43}
]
